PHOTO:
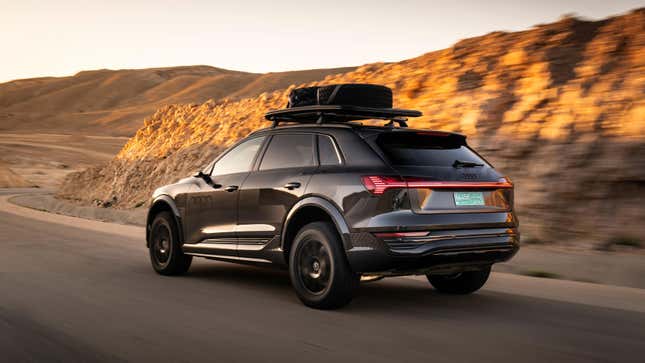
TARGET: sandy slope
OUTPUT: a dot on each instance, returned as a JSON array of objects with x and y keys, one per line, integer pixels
[
  {"x": 45, "y": 159},
  {"x": 114, "y": 102},
  {"x": 9, "y": 179}
]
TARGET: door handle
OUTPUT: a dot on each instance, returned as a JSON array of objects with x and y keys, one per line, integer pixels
[
  {"x": 231, "y": 188},
  {"x": 292, "y": 185}
]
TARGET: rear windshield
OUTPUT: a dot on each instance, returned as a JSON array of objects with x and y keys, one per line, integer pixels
[{"x": 425, "y": 149}]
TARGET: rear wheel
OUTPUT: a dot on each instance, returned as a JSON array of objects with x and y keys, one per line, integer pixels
[
  {"x": 166, "y": 255},
  {"x": 461, "y": 283},
  {"x": 318, "y": 268}
]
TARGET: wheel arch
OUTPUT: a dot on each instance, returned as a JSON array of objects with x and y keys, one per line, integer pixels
[
  {"x": 311, "y": 209},
  {"x": 160, "y": 204}
]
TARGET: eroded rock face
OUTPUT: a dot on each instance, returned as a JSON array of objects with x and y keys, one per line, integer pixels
[{"x": 560, "y": 108}]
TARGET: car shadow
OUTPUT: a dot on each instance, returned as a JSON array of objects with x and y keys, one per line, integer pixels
[
  {"x": 255, "y": 276},
  {"x": 404, "y": 294}
]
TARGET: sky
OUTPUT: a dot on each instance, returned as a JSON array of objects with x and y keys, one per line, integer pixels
[{"x": 63, "y": 37}]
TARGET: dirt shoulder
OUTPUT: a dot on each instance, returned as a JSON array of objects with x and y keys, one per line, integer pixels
[{"x": 48, "y": 203}]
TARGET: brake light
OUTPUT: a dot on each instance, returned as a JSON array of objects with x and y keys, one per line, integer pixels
[{"x": 379, "y": 184}]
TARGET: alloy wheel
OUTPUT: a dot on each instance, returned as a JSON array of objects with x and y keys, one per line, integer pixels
[
  {"x": 314, "y": 264},
  {"x": 161, "y": 244}
]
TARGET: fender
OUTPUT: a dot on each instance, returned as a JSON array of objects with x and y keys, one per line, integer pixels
[
  {"x": 166, "y": 199},
  {"x": 327, "y": 206}
]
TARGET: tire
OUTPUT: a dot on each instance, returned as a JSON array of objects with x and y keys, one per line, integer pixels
[
  {"x": 318, "y": 268},
  {"x": 461, "y": 283},
  {"x": 166, "y": 255}
]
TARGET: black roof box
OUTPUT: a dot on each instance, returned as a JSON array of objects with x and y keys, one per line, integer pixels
[
  {"x": 340, "y": 103},
  {"x": 364, "y": 95}
]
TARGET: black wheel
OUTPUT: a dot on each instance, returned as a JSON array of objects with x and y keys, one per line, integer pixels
[
  {"x": 318, "y": 268},
  {"x": 461, "y": 283},
  {"x": 165, "y": 252}
]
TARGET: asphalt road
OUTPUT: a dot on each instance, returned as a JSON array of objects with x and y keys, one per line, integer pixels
[{"x": 75, "y": 290}]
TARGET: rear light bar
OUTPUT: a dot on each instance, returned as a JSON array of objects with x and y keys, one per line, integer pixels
[{"x": 379, "y": 184}]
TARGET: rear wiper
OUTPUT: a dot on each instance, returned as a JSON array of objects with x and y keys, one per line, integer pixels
[{"x": 465, "y": 164}]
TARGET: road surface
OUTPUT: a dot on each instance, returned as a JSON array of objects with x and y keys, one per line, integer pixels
[{"x": 78, "y": 290}]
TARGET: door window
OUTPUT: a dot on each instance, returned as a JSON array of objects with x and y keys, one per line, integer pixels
[
  {"x": 289, "y": 151},
  {"x": 239, "y": 159}
]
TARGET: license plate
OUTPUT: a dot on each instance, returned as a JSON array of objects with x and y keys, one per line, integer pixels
[{"x": 469, "y": 198}]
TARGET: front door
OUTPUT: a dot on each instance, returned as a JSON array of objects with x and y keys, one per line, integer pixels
[
  {"x": 269, "y": 192},
  {"x": 211, "y": 217}
]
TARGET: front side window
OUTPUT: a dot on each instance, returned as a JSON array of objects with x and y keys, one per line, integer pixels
[
  {"x": 239, "y": 159},
  {"x": 289, "y": 151}
]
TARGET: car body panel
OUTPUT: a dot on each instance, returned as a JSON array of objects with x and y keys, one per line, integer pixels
[{"x": 265, "y": 200}]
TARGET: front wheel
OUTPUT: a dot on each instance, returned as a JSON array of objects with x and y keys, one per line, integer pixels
[
  {"x": 166, "y": 255},
  {"x": 318, "y": 268},
  {"x": 461, "y": 283}
]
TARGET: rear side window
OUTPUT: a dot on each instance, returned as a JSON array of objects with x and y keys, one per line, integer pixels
[
  {"x": 289, "y": 151},
  {"x": 327, "y": 151},
  {"x": 425, "y": 149}
]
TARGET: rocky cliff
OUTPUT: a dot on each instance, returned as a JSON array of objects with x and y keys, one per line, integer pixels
[{"x": 560, "y": 108}]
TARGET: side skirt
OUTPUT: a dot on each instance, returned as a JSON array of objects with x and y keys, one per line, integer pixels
[
  {"x": 230, "y": 258},
  {"x": 242, "y": 250}
]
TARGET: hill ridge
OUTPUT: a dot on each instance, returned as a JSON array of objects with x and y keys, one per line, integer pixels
[{"x": 90, "y": 100}]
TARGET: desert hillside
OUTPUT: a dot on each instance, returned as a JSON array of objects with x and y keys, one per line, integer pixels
[
  {"x": 114, "y": 102},
  {"x": 560, "y": 108},
  {"x": 45, "y": 159},
  {"x": 9, "y": 179}
]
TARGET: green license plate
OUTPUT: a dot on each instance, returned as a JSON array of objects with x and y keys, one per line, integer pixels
[{"x": 469, "y": 198}]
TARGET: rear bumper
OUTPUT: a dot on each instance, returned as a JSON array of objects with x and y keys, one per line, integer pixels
[{"x": 447, "y": 249}]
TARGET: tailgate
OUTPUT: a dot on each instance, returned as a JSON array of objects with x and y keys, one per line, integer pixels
[{"x": 443, "y": 174}]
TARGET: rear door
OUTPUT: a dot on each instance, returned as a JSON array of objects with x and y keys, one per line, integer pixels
[
  {"x": 270, "y": 191},
  {"x": 443, "y": 174}
]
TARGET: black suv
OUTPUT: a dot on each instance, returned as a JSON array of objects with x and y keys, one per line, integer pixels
[{"x": 337, "y": 199}]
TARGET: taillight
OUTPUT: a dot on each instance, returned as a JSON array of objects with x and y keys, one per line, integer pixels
[{"x": 379, "y": 184}]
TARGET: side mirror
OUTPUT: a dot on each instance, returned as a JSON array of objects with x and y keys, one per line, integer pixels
[{"x": 207, "y": 178}]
